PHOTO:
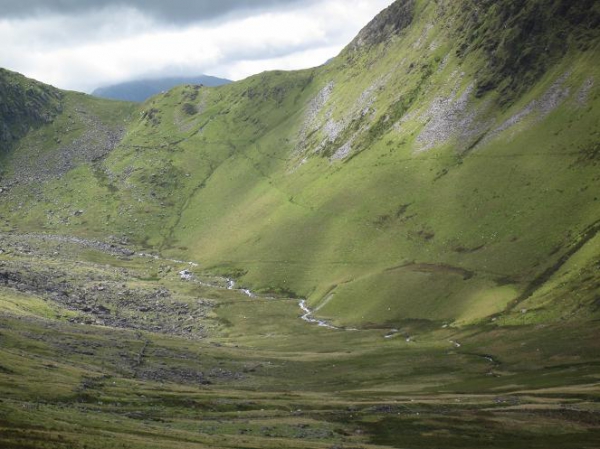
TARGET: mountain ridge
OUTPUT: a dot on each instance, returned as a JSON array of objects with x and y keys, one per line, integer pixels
[{"x": 142, "y": 89}]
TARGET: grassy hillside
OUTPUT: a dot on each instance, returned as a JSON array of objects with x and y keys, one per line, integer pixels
[{"x": 446, "y": 173}]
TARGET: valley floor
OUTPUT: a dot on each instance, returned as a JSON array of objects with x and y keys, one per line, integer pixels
[{"x": 104, "y": 347}]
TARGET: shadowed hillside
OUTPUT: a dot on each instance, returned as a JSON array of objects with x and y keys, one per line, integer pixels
[{"x": 24, "y": 104}]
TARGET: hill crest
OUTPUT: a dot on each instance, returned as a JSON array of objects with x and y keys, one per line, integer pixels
[{"x": 140, "y": 90}]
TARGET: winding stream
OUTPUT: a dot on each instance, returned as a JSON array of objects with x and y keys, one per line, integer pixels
[
  {"x": 186, "y": 275},
  {"x": 309, "y": 318}
]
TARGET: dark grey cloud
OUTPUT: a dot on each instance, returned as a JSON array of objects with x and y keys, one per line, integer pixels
[{"x": 172, "y": 11}]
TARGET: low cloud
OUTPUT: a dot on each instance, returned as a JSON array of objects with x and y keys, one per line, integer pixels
[{"x": 94, "y": 48}]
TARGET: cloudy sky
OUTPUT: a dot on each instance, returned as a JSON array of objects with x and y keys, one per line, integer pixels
[{"x": 84, "y": 44}]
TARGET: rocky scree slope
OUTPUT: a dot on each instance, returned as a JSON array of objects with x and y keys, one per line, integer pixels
[
  {"x": 60, "y": 133},
  {"x": 443, "y": 167}
]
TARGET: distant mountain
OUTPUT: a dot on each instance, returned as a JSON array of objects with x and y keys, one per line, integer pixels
[{"x": 141, "y": 90}]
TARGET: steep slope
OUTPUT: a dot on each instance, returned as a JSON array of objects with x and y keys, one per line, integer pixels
[
  {"x": 24, "y": 104},
  {"x": 140, "y": 90},
  {"x": 54, "y": 134},
  {"x": 444, "y": 167}
]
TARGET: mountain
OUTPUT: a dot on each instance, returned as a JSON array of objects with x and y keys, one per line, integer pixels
[
  {"x": 399, "y": 248},
  {"x": 371, "y": 176},
  {"x": 141, "y": 90}
]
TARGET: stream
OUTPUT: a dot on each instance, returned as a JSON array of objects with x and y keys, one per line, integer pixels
[
  {"x": 307, "y": 315},
  {"x": 186, "y": 275},
  {"x": 309, "y": 318}
]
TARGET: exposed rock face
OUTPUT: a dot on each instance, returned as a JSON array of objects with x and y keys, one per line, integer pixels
[
  {"x": 389, "y": 22},
  {"x": 523, "y": 39}
]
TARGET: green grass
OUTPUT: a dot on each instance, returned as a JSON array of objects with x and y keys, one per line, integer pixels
[{"x": 275, "y": 380}]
